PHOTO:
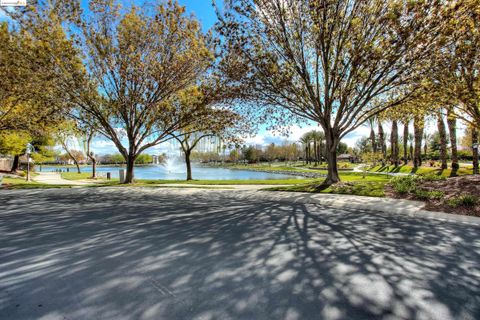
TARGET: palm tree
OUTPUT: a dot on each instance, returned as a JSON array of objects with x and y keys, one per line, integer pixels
[
  {"x": 306, "y": 140},
  {"x": 405, "y": 141},
  {"x": 318, "y": 137},
  {"x": 394, "y": 143}
]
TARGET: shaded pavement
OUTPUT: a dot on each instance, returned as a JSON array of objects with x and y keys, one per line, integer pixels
[{"x": 139, "y": 253}]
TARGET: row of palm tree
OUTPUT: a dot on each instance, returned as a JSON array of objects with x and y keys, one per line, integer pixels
[
  {"x": 414, "y": 144},
  {"x": 313, "y": 143}
]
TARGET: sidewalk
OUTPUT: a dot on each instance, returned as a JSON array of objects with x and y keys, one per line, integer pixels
[
  {"x": 55, "y": 178},
  {"x": 341, "y": 201}
]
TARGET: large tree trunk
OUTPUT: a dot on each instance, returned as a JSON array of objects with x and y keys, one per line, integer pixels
[
  {"x": 452, "y": 130},
  {"x": 309, "y": 160},
  {"x": 405, "y": 142},
  {"x": 331, "y": 149},
  {"x": 77, "y": 165},
  {"x": 94, "y": 166},
  {"x": 443, "y": 140},
  {"x": 372, "y": 139},
  {"x": 475, "y": 150},
  {"x": 320, "y": 146},
  {"x": 381, "y": 138},
  {"x": 130, "y": 167},
  {"x": 188, "y": 164},
  {"x": 16, "y": 163},
  {"x": 394, "y": 143},
  {"x": 425, "y": 147},
  {"x": 418, "y": 125}
]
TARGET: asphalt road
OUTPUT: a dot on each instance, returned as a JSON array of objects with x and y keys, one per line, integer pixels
[{"x": 205, "y": 254}]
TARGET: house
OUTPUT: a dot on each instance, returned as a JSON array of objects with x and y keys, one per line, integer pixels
[{"x": 347, "y": 157}]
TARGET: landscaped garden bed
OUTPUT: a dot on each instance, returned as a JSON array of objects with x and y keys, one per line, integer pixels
[{"x": 459, "y": 195}]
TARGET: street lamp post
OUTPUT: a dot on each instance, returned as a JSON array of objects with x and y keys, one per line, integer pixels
[{"x": 28, "y": 152}]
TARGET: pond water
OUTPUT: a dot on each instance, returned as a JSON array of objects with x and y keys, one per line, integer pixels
[{"x": 176, "y": 172}]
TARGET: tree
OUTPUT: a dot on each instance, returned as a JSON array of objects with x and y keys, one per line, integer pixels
[
  {"x": 87, "y": 131},
  {"x": 405, "y": 140},
  {"x": 394, "y": 143},
  {"x": 144, "y": 159},
  {"x": 44, "y": 147},
  {"x": 14, "y": 143},
  {"x": 251, "y": 153},
  {"x": 457, "y": 72},
  {"x": 452, "y": 130},
  {"x": 332, "y": 63},
  {"x": 474, "y": 132},
  {"x": 381, "y": 139},
  {"x": 67, "y": 136},
  {"x": 342, "y": 148},
  {"x": 364, "y": 144},
  {"x": 418, "y": 128},
  {"x": 371, "y": 124},
  {"x": 234, "y": 155},
  {"x": 442, "y": 132},
  {"x": 211, "y": 119},
  {"x": 30, "y": 95},
  {"x": 271, "y": 152},
  {"x": 306, "y": 140},
  {"x": 136, "y": 61}
]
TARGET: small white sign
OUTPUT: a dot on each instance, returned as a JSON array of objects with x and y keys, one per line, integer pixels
[{"x": 13, "y": 3}]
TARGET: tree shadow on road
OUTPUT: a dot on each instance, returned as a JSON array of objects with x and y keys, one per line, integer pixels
[{"x": 158, "y": 254}]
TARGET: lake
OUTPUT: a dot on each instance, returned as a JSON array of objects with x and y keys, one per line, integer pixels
[{"x": 177, "y": 172}]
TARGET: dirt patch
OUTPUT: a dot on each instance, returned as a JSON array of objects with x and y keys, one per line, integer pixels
[{"x": 459, "y": 195}]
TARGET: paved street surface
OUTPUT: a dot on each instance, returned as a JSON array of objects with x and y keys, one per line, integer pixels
[{"x": 143, "y": 253}]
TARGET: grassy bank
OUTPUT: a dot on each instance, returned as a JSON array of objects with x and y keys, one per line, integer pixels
[
  {"x": 422, "y": 170},
  {"x": 359, "y": 188},
  {"x": 20, "y": 183}
]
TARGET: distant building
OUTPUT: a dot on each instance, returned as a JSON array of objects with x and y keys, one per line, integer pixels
[{"x": 347, "y": 157}]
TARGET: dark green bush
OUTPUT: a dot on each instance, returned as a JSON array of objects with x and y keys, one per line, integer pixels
[
  {"x": 466, "y": 200},
  {"x": 428, "y": 195},
  {"x": 434, "y": 177},
  {"x": 405, "y": 184}
]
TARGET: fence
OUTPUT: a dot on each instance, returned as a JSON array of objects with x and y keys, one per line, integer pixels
[{"x": 6, "y": 164}]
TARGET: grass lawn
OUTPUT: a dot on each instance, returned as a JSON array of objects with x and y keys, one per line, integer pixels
[
  {"x": 77, "y": 176},
  {"x": 144, "y": 182},
  {"x": 422, "y": 170},
  {"x": 20, "y": 183},
  {"x": 369, "y": 186}
]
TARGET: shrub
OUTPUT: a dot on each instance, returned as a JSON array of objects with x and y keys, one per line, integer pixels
[
  {"x": 466, "y": 200},
  {"x": 434, "y": 177},
  {"x": 405, "y": 184},
  {"x": 428, "y": 195}
]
